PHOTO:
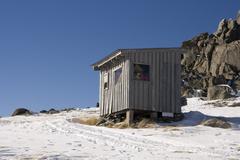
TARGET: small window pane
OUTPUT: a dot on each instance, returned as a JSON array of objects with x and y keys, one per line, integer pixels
[
  {"x": 105, "y": 85},
  {"x": 141, "y": 72},
  {"x": 117, "y": 74},
  {"x": 105, "y": 81}
]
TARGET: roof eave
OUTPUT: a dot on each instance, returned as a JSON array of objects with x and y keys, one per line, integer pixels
[{"x": 96, "y": 66}]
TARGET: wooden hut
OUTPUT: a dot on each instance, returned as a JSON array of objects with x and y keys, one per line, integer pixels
[{"x": 140, "y": 80}]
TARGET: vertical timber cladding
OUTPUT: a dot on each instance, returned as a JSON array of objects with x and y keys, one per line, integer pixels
[
  {"x": 159, "y": 92},
  {"x": 162, "y": 92},
  {"x": 115, "y": 97}
]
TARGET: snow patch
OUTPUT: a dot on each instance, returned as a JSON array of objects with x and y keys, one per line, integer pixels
[{"x": 54, "y": 137}]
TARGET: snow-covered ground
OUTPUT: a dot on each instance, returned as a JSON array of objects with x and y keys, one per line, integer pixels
[{"x": 54, "y": 137}]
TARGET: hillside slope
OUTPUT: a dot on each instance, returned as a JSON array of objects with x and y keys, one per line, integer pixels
[{"x": 54, "y": 137}]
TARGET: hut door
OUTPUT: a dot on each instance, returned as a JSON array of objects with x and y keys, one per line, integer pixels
[
  {"x": 118, "y": 90},
  {"x": 105, "y": 92}
]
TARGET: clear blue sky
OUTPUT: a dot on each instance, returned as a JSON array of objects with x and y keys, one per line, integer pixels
[{"x": 47, "y": 46}]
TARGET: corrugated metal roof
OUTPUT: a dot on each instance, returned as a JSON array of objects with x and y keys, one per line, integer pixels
[{"x": 126, "y": 50}]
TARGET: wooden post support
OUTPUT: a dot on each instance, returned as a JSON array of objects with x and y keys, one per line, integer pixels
[{"x": 129, "y": 116}]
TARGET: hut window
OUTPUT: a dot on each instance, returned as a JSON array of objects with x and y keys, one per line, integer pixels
[
  {"x": 141, "y": 72},
  {"x": 117, "y": 74},
  {"x": 105, "y": 81}
]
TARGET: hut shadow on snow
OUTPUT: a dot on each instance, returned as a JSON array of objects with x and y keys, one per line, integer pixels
[{"x": 194, "y": 118}]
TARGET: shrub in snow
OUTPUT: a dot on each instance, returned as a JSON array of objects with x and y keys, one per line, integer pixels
[{"x": 216, "y": 122}]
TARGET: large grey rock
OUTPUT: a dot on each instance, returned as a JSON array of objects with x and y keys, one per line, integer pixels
[
  {"x": 21, "y": 111},
  {"x": 225, "y": 60},
  {"x": 216, "y": 122},
  {"x": 218, "y": 92}
]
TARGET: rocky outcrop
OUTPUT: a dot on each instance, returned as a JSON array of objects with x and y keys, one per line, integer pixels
[
  {"x": 212, "y": 59},
  {"x": 54, "y": 111},
  {"x": 21, "y": 111}
]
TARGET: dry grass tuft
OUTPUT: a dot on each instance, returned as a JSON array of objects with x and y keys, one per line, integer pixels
[
  {"x": 146, "y": 123},
  {"x": 87, "y": 121},
  {"x": 121, "y": 125},
  {"x": 109, "y": 125}
]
